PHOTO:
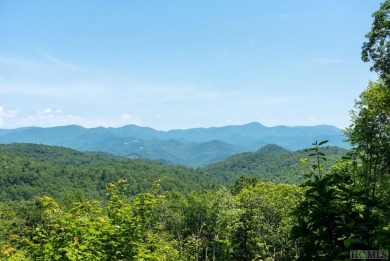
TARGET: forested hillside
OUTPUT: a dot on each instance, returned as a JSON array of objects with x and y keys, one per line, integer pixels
[
  {"x": 270, "y": 163},
  {"x": 30, "y": 170}
]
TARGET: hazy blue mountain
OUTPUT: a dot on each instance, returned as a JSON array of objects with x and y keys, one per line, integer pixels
[
  {"x": 63, "y": 135},
  {"x": 189, "y": 154},
  {"x": 143, "y": 133},
  {"x": 251, "y": 132},
  {"x": 191, "y": 147}
]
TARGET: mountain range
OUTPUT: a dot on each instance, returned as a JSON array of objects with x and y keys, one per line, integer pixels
[{"x": 191, "y": 147}]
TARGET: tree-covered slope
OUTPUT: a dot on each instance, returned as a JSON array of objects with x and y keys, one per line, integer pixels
[
  {"x": 270, "y": 163},
  {"x": 30, "y": 170}
]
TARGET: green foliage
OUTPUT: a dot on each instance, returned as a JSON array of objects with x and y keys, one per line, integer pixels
[
  {"x": 220, "y": 226},
  {"x": 30, "y": 170},
  {"x": 339, "y": 212},
  {"x": 122, "y": 230},
  {"x": 77, "y": 235},
  {"x": 265, "y": 222},
  {"x": 321, "y": 217},
  {"x": 243, "y": 182},
  {"x": 370, "y": 134},
  {"x": 153, "y": 226},
  {"x": 377, "y": 48},
  {"x": 370, "y": 128},
  {"x": 270, "y": 163}
]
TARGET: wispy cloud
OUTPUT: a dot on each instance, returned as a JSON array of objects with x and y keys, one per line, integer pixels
[{"x": 57, "y": 61}]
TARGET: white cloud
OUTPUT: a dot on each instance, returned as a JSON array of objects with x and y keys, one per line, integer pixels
[
  {"x": 126, "y": 119},
  {"x": 44, "y": 112},
  {"x": 5, "y": 115}
]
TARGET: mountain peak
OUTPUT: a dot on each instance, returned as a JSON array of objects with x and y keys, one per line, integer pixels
[
  {"x": 254, "y": 123},
  {"x": 272, "y": 148},
  {"x": 252, "y": 126}
]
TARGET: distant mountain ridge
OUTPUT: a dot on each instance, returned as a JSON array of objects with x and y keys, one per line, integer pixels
[{"x": 191, "y": 147}]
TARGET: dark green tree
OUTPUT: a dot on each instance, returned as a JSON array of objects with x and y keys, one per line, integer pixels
[
  {"x": 369, "y": 133},
  {"x": 265, "y": 221},
  {"x": 377, "y": 48},
  {"x": 321, "y": 215}
]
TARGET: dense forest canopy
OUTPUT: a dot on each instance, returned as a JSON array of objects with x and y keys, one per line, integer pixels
[{"x": 31, "y": 170}]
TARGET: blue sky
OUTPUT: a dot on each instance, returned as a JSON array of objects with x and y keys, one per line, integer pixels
[{"x": 181, "y": 64}]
